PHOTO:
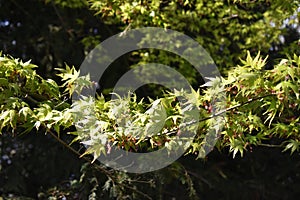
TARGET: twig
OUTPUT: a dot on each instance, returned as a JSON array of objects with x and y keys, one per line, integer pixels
[
  {"x": 77, "y": 153},
  {"x": 108, "y": 174},
  {"x": 200, "y": 177},
  {"x": 236, "y": 106},
  {"x": 61, "y": 19},
  {"x": 21, "y": 8},
  {"x": 26, "y": 13},
  {"x": 218, "y": 113},
  {"x": 270, "y": 145},
  {"x": 137, "y": 191}
]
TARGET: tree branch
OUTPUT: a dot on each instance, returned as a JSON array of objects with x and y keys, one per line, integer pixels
[
  {"x": 270, "y": 145},
  {"x": 77, "y": 153},
  {"x": 107, "y": 173},
  {"x": 224, "y": 111},
  {"x": 236, "y": 106}
]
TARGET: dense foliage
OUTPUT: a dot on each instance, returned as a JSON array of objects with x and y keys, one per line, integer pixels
[
  {"x": 256, "y": 123},
  {"x": 260, "y": 104}
]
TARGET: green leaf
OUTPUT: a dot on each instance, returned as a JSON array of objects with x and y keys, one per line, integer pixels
[{"x": 292, "y": 145}]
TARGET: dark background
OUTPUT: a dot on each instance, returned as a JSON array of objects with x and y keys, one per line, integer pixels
[{"x": 37, "y": 166}]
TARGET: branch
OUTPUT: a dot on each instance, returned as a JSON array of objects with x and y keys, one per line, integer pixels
[
  {"x": 26, "y": 13},
  {"x": 222, "y": 112},
  {"x": 137, "y": 191},
  {"x": 270, "y": 145},
  {"x": 236, "y": 106},
  {"x": 61, "y": 19},
  {"x": 107, "y": 173},
  {"x": 77, "y": 153}
]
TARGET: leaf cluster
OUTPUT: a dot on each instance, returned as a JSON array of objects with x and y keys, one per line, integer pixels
[{"x": 256, "y": 105}]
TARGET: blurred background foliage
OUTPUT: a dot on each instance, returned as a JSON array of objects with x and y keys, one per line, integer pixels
[{"x": 54, "y": 32}]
